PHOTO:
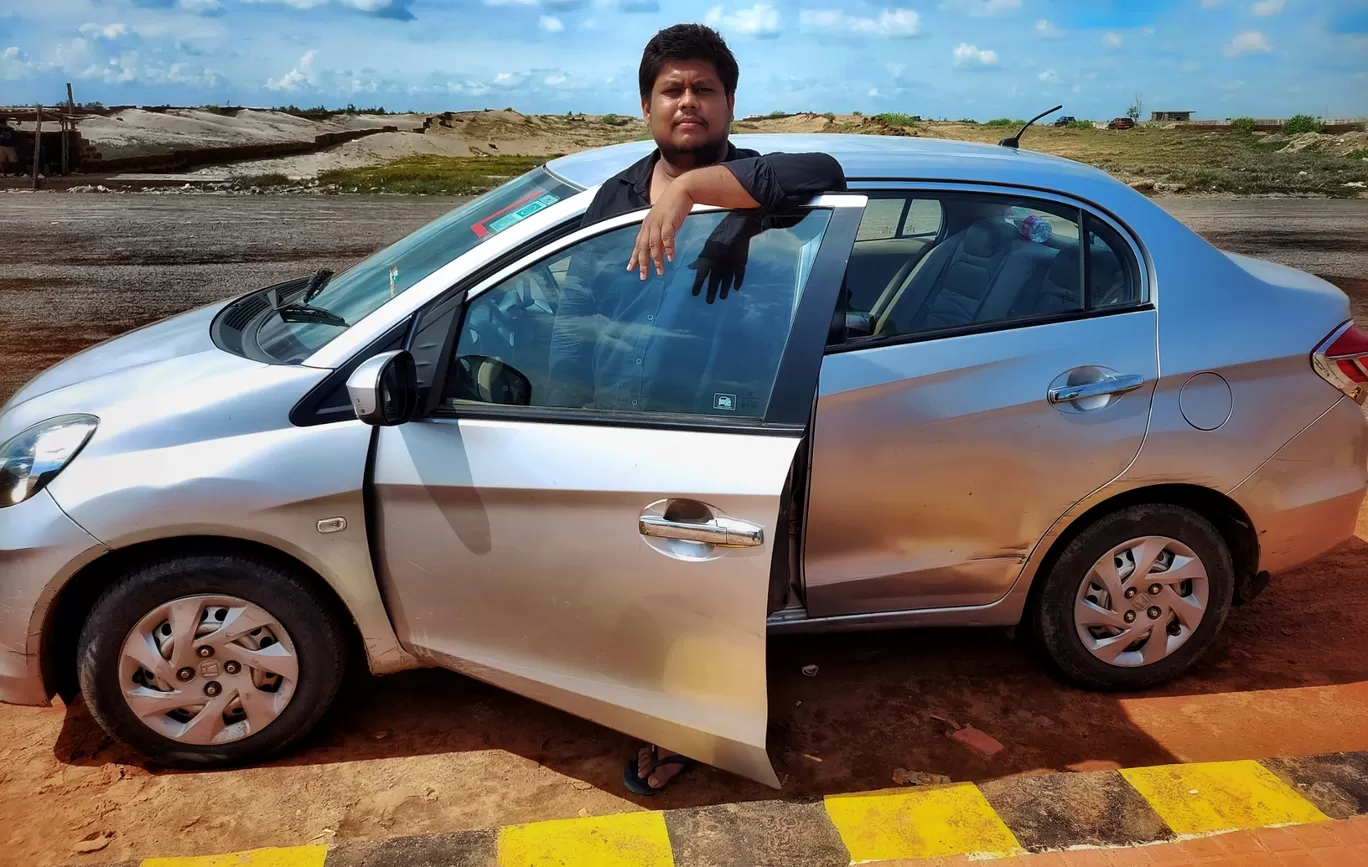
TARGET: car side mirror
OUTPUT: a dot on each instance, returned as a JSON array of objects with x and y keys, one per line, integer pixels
[
  {"x": 384, "y": 389},
  {"x": 489, "y": 380}
]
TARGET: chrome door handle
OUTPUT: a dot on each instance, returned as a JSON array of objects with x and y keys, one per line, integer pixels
[
  {"x": 723, "y": 532},
  {"x": 1101, "y": 388}
]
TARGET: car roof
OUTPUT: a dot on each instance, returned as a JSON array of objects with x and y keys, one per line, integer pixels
[{"x": 874, "y": 157}]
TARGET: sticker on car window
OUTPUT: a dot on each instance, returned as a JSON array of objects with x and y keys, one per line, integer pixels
[{"x": 514, "y": 214}]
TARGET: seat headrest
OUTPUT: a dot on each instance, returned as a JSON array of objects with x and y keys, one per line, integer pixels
[{"x": 986, "y": 237}]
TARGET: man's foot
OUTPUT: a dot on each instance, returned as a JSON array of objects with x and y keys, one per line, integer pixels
[{"x": 654, "y": 770}]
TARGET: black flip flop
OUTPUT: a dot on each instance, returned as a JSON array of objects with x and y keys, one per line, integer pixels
[{"x": 641, "y": 785}]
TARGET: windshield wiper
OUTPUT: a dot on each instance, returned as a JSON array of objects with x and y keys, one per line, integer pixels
[{"x": 302, "y": 310}]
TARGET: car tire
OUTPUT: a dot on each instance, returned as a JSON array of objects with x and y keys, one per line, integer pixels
[
  {"x": 310, "y": 630},
  {"x": 1060, "y": 605}
]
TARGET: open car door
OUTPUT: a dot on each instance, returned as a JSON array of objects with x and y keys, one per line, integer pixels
[{"x": 587, "y": 516}]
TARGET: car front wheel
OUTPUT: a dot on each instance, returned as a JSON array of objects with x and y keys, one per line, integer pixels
[
  {"x": 1136, "y": 598},
  {"x": 210, "y": 660}
]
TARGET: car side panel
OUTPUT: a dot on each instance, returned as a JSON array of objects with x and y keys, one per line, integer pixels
[
  {"x": 1305, "y": 500},
  {"x": 938, "y": 465},
  {"x": 231, "y": 465}
]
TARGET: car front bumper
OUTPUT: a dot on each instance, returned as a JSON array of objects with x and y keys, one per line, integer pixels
[
  {"x": 1305, "y": 500},
  {"x": 40, "y": 548}
]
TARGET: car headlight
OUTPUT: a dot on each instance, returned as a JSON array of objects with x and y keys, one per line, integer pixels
[{"x": 34, "y": 457}]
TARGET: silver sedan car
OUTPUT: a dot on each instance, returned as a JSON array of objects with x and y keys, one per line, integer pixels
[{"x": 981, "y": 387}]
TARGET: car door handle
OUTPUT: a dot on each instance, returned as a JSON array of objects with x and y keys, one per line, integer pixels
[
  {"x": 723, "y": 532},
  {"x": 1103, "y": 387}
]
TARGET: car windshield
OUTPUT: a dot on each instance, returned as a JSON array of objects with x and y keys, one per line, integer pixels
[{"x": 362, "y": 289}]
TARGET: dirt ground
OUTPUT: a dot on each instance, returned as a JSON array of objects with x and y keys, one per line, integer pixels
[{"x": 433, "y": 751}]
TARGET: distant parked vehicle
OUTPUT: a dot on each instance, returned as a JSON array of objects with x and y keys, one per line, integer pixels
[
  {"x": 1066, "y": 120},
  {"x": 1121, "y": 123}
]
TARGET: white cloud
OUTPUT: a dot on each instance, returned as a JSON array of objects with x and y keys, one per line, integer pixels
[
  {"x": 107, "y": 31},
  {"x": 298, "y": 78},
  {"x": 1147, "y": 31},
  {"x": 590, "y": 23},
  {"x": 982, "y": 8},
  {"x": 1112, "y": 39},
  {"x": 551, "y": 24},
  {"x": 1078, "y": 88},
  {"x": 1049, "y": 76},
  {"x": 891, "y": 22},
  {"x": 894, "y": 69},
  {"x": 1246, "y": 42},
  {"x": 761, "y": 20},
  {"x": 1232, "y": 85},
  {"x": 1264, "y": 8},
  {"x": 14, "y": 64},
  {"x": 201, "y": 7},
  {"x": 1047, "y": 29},
  {"x": 1191, "y": 66},
  {"x": 969, "y": 56},
  {"x": 555, "y": 79}
]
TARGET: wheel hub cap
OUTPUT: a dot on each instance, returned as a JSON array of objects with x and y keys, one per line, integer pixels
[
  {"x": 1141, "y": 601},
  {"x": 208, "y": 669}
]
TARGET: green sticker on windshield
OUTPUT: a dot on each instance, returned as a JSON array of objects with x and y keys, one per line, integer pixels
[{"x": 523, "y": 213}]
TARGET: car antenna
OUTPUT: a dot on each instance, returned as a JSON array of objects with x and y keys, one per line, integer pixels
[{"x": 1016, "y": 139}]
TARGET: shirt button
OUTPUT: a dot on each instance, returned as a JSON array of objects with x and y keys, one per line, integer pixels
[
  {"x": 638, "y": 361},
  {"x": 634, "y": 403},
  {"x": 650, "y": 317}
]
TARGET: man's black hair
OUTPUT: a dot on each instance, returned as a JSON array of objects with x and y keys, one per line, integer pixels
[{"x": 687, "y": 42}]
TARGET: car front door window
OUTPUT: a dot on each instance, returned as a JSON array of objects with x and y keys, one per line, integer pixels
[{"x": 576, "y": 331}]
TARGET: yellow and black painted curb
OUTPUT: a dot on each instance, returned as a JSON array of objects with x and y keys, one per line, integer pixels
[{"x": 999, "y": 819}]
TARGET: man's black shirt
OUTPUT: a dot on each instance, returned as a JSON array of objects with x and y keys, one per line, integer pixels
[{"x": 773, "y": 180}]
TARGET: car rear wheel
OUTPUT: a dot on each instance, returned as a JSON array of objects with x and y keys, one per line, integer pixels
[
  {"x": 1136, "y": 598},
  {"x": 210, "y": 660}
]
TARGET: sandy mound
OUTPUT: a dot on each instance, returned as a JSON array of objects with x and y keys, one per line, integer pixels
[
  {"x": 372, "y": 150},
  {"x": 1333, "y": 145},
  {"x": 136, "y": 132}
]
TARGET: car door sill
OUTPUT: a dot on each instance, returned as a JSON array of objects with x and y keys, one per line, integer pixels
[{"x": 796, "y": 621}]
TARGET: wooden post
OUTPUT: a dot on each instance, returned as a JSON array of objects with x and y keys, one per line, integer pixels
[
  {"x": 67, "y": 125},
  {"x": 37, "y": 141}
]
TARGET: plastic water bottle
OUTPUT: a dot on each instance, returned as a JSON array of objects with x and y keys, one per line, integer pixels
[{"x": 1030, "y": 226}]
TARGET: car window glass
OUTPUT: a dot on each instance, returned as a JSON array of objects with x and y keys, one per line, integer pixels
[
  {"x": 923, "y": 218},
  {"x": 971, "y": 260},
  {"x": 881, "y": 219},
  {"x": 1113, "y": 275},
  {"x": 576, "y": 331}
]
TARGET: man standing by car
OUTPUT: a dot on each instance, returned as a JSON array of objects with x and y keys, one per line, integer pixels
[{"x": 687, "y": 81}]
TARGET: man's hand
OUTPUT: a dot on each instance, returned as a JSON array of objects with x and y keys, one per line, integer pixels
[
  {"x": 656, "y": 239},
  {"x": 722, "y": 261},
  {"x": 710, "y": 185}
]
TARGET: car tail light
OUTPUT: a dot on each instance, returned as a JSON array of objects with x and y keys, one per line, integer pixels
[{"x": 1342, "y": 361}]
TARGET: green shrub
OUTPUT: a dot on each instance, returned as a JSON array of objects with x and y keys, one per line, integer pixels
[
  {"x": 1080, "y": 124},
  {"x": 1005, "y": 121},
  {"x": 858, "y": 113},
  {"x": 1360, "y": 154},
  {"x": 1298, "y": 124},
  {"x": 1243, "y": 124},
  {"x": 895, "y": 118},
  {"x": 830, "y": 115},
  {"x": 615, "y": 120}
]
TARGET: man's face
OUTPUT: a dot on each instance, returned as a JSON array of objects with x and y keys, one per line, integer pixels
[{"x": 688, "y": 110}]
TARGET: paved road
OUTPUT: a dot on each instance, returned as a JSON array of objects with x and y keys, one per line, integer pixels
[{"x": 432, "y": 751}]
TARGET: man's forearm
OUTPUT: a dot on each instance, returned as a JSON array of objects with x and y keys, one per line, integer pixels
[{"x": 716, "y": 186}]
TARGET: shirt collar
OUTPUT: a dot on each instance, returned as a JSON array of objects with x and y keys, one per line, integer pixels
[{"x": 638, "y": 176}]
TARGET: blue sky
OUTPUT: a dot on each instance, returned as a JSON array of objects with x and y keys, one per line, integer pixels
[{"x": 937, "y": 58}]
